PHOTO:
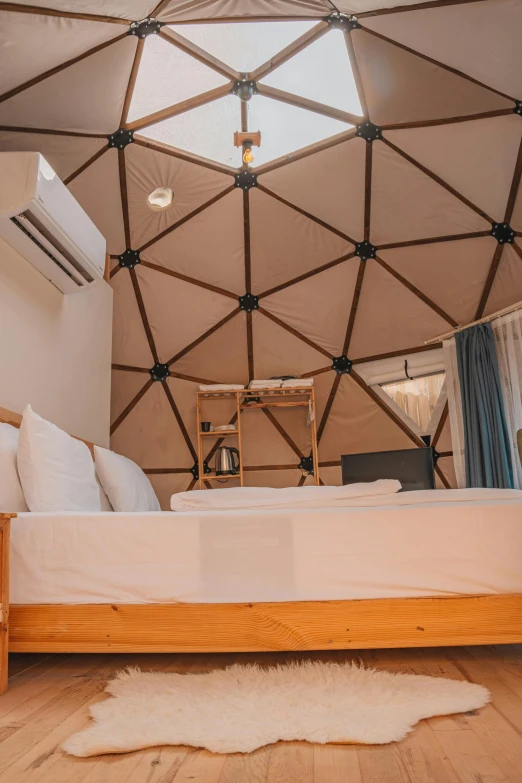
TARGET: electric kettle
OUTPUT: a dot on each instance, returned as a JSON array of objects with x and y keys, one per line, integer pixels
[{"x": 225, "y": 464}]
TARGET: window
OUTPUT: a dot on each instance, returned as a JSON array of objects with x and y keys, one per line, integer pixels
[{"x": 417, "y": 397}]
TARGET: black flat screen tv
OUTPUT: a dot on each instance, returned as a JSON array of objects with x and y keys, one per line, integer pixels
[{"x": 412, "y": 467}]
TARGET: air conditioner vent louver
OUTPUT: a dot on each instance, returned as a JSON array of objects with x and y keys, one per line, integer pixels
[{"x": 19, "y": 224}]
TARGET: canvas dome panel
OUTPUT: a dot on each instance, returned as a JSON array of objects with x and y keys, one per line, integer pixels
[{"x": 362, "y": 237}]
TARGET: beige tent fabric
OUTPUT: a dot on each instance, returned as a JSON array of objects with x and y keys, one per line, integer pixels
[
  {"x": 319, "y": 307},
  {"x": 86, "y": 97},
  {"x": 179, "y": 312},
  {"x": 452, "y": 274},
  {"x": 191, "y": 184},
  {"x": 507, "y": 287},
  {"x": 516, "y": 220},
  {"x": 129, "y": 341},
  {"x": 408, "y": 204},
  {"x": 262, "y": 443},
  {"x": 166, "y": 484},
  {"x": 280, "y": 353},
  {"x": 305, "y": 182},
  {"x": 272, "y": 478},
  {"x": 390, "y": 317},
  {"x": 401, "y": 87},
  {"x": 98, "y": 191},
  {"x": 124, "y": 387},
  {"x": 216, "y": 235},
  {"x": 446, "y": 465},
  {"x": 221, "y": 358},
  {"x": 64, "y": 153},
  {"x": 462, "y": 155},
  {"x": 42, "y": 43},
  {"x": 181, "y": 10},
  {"x": 130, "y": 9},
  {"x": 481, "y": 39},
  {"x": 286, "y": 244}
]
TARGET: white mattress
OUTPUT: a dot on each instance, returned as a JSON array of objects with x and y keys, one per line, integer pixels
[{"x": 421, "y": 544}]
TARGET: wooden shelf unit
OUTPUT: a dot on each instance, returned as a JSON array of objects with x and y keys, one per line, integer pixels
[{"x": 261, "y": 398}]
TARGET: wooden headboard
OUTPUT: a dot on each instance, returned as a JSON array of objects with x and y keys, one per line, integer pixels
[{"x": 10, "y": 417}]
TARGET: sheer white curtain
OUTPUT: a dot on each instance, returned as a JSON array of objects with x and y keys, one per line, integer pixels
[
  {"x": 455, "y": 410},
  {"x": 508, "y": 339}
]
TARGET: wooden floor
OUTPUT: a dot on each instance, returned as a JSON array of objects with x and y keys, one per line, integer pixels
[{"x": 49, "y": 696}]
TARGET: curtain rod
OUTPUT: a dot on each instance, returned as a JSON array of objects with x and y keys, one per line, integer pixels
[{"x": 492, "y": 317}]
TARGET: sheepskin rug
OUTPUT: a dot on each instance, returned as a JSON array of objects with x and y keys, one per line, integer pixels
[{"x": 239, "y": 709}]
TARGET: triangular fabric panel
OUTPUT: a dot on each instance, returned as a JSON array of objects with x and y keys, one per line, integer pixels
[
  {"x": 516, "y": 220},
  {"x": 476, "y": 158},
  {"x": 167, "y": 484},
  {"x": 187, "y": 131},
  {"x": 179, "y": 312},
  {"x": 301, "y": 127},
  {"x": 452, "y": 274},
  {"x": 272, "y": 478},
  {"x": 321, "y": 72},
  {"x": 43, "y": 42},
  {"x": 221, "y": 357},
  {"x": 167, "y": 76},
  {"x": 357, "y": 425},
  {"x": 361, "y": 6},
  {"x": 262, "y": 444},
  {"x": 319, "y": 307},
  {"x": 259, "y": 41},
  {"x": 124, "y": 387},
  {"x": 400, "y": 320},
  {"x": 208, "y": 247},
  {"x": 286, "y": 244},
  {"x": 327, "y": 184},
  {"x": 129, "y": 341},
  {"x": 407, "y": 204},
  {"x": 86, "y": 97},
  {"x": 98, "y": 191},
  {"x": 447, "y": 467},
  {"x": 65, "y": 154},
  {"x": 178, "y": 10},
  {"x": 481, "y": 39},
  {"x": 184, "y": 395},
  {"x": 147, "y": 170},
  {"x": 507, "y": 287},
  {"x": 131, "y": 9},
  {"x": 277, "y": 352},
  {"x": 401, "y": 87},
  {"x": 150, "y": 434}
]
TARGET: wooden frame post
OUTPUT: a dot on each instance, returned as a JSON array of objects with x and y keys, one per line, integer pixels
[{"x": 5, "y": 520}]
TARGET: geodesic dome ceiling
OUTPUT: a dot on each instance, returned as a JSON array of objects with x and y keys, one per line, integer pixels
[{"x": 382, "y": 207}]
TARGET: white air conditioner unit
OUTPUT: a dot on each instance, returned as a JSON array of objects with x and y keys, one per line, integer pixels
[{"x": 43, "y": 221}]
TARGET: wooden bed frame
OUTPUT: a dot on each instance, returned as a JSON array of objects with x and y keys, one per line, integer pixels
[{"x": 299, "y": 625}]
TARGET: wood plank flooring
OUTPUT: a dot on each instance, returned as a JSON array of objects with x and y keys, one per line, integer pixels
[{"x": 49, "y": 696}]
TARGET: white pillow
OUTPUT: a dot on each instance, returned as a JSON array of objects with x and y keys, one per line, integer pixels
[
  {"x": 56, "y": 471},
  {"x": 126, "y": 485},
  {"x": 11, "y": 494}
]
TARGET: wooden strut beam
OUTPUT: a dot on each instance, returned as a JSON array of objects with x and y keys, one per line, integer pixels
[
  {"x": 124, "y": 199},
  {"x": 51, "y": 132},
  {"x": 435, "y": 240},
  {"x": 307, "y": 214},
  {"x": 180, "y": 108},
  {"x": 284, "y": 434},
  {"x": 132, "y": 404},
  {"x": 440, "y": 425},
  {"x": 192, "y": 280},
  {"x": 328, "y": 407},
  {"x": 406, "y": 283},
  {"x": 86, "y": 165},
  {"x": 439, "y": 64},
  {"x": 53, "y": 71},
  {"x": 184, "y": 219},
  {"x": 306, "y": 103},
  {"x": 401, "y": 352},
  {"x": 289, "y": 51},
  {"x": 143, "y": 313},
  {"x": 415, "y": 7},
  {"x": 199, "y": 54},
  {"x": 442, "y": 477},
  {"x": 497, "y": 256},
  {"x": 132, "y": 81},
  {"x": 446, "y": 120},
  {"x": 160, "y": 471},
  {"x": 41, "y": 11},
  {"x": 306, "y": 275},
  {"x": 438, "y": 180},
  {"x": 181, "y": 376},
  {"x": 297, "y": 334},
  {"x": 202, "y": 337},
  {"x": 320, "y": 371},
  {"x": 305, "y": 152},
  {"x": 189, "y": 157},
  {"x": 180, "y": 421}
]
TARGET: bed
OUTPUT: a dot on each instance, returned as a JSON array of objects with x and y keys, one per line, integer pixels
[{"x": 421, "y": 569}]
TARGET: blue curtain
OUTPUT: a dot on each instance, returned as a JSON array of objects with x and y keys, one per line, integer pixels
[{"x": 486, "y": 441}]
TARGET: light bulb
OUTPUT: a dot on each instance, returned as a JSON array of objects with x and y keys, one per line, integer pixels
[
  {"x": 247, "y": 155},
  {"x": 160, "y": 198}
]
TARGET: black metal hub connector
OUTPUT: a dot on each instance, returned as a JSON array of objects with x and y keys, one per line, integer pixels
[
  {"x": 129, "y": 258},
  {"x": 365, "y": 250},
  {"x": 121, "y": 138},
  {"x": 342, "y": 365},
  {"x": 518, "y": 108},
  {"x": 160, "y": 372},
  {"x": 345, "y": 22},
  {"x": 436, "y": 455},
  {"x": 244, "y": 89},
  {"x": 145, "y": 27},
  {"x": 503, "y": 233},
  {"x": 195, "y": 470},
  {"x": 245, "y": 180},
  {"x": 368, "y": 131},
  {"x": 307, "y": 465},
  {"x": 248, "y": 302}
]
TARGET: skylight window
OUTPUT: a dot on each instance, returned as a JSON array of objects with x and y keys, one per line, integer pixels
[{"x": 244, "y": 45}]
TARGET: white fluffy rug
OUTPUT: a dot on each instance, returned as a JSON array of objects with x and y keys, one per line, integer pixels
[{"x": 242, "y": 708}]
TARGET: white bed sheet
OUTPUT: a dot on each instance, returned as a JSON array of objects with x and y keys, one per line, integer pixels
[{"x": 419, "y": 544}]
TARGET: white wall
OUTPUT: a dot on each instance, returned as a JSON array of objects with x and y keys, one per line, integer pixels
[{"x": 55, "y": 350}]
